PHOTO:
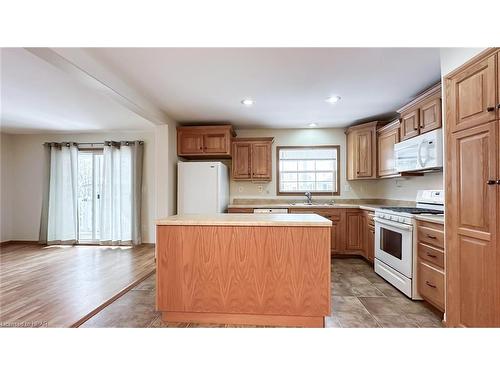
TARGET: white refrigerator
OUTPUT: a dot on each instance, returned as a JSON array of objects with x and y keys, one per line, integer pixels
[{"x": 202, "y": 187}]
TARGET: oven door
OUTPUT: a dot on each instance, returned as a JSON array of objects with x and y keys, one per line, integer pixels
[{"x": 393, "y": 245}]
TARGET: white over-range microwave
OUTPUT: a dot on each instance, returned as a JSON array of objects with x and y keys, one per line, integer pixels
[{"x": 424, "y": 152}]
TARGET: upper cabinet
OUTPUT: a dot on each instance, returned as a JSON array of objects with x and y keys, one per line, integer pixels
[
  {"x": 422, "y": 114},
  {"x": 362, "y": 151},
  {"x": 387, "y": 137},
  {"x": 471, "y": 97},
  {"x": 252, "y": 159},
  {"x": 202, "y": 142}
]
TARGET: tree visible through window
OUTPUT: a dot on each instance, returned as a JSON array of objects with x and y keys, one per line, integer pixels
[{"x": 314, "y": 169}]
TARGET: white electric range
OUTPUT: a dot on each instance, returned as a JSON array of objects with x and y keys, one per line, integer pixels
[{"x": 395, "y": 240}]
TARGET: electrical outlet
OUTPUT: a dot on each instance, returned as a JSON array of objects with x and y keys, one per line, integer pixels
[
  {"x": 240, "y": 189},
  {"x": 260, "y": 188},
  {"x": 399, "y": 183},
  {"x": 347, "y": 187}
]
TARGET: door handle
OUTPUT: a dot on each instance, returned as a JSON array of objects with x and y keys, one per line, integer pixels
[
  {"x": 431, "y": 255},
  {"x": 431, "y": 236},
  {"x": 491, "y": 182},
  {"x": 490, "y": 109},
  {"x": 498, "y": 182},
  {"x": 429, "y": 284}
]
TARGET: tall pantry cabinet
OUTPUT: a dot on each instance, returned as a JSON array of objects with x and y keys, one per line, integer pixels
[{"x": 472, "y": 123}]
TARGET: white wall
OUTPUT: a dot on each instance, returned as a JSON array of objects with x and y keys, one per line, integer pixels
[
  {"x": 6, "y": 175},
  {"x": 26, "y": 170},
  {"x": 452, "y": 58}
]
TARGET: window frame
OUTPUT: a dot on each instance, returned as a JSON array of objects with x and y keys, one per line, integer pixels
[{"x": 278, "y": 192}]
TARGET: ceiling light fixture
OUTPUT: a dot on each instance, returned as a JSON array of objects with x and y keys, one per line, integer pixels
[
  {"x": 313, "y": 125},
  {"x": 248, "y": 102},
  {"x": 332, "y": 99}
]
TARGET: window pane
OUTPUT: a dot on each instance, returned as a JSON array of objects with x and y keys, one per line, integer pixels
[
  {"x": 308, "y": 169},
  {"x": 306, "y": 176},
  {"x": 289, "y": 165},
  {"x": 307, "y": 165},
  {"x": 324, "y": 176},
  {"x": 324, "y": 165},
  {"x": 306, "y": 186},
  {"x": 288, "y": 177}
]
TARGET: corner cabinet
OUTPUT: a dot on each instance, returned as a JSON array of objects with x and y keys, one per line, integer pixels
[
  {"x": 387, "y": 137},
  {"x": 362, "y": 151},
  {"x": 421, "y": 115},
  {"x": 472, "y": 225},
  {"x": 203, "y": 142},
  {"x": 252, "y": 159}
]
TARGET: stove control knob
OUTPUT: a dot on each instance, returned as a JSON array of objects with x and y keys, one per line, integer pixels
[{"x": 401, "y": 219}]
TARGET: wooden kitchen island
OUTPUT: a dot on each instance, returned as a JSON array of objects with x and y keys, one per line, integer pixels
[{"x": 256, "y": 269}]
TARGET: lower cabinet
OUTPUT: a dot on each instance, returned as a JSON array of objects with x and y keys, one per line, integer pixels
[
  {"x": 369, "y": 236},
  {"x": 430, "y": 264}
]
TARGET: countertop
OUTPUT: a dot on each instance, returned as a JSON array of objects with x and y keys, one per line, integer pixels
[
  {"x": 264, "y": 220},
  {"x": 364, "y": 206}
]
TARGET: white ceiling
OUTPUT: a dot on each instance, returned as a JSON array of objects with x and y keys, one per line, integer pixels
[
  {"x": 38, "y": 97},
  {"x": 289, "y": 85}
]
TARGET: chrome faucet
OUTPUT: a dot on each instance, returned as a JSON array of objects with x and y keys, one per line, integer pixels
[{"x": 309, "y": 195}]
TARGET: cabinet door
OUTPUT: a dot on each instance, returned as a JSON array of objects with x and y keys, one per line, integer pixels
[
  {"x": 190, "y": 143},
  {"x": 370, "y": 245},
  {"x": 354, "y": 237},
  {"x": 472, "y": 251},
  {"x": 430, "y": 115},
  {"x": 364, "y": 153},
  {"x": 241, "y": 167},
  {"x": 261, "y": 161},
  {"x": 470, "y": 96},
  {"x": 409, "y": 124},
  {"x": 216, "y": 143},
  {"x": 386, "y": 160}
]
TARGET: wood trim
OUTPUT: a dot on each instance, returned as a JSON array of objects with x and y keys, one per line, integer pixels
[
  {"x": 253, "y": 139},
  {"x": 111, "y": 300},
  {"x": 474, "y": 60},
  {"x": 244, "y": 319},
  {"x": 339, "y": 165},
  {"x": 365, "y": 125},
  {"x": 18, "y": 242},
  {"x": 424, "y": 95}
]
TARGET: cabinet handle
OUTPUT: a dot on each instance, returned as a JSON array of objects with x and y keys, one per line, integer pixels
[
  {"x": 431, "y": 255},
  {"x": 498, "y": 106},
  {"x": 490, "y": 109},
  {"x": 498, "y": 182},
  {"x": 491, "y": 182},
  {"x": 429, "y": 284},
  {"x": 431, "y": 236}
]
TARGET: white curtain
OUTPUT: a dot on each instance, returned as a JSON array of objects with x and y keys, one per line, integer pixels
[
  {"x": 120, "y": 222},
  {"x": 62, "y": 207}
]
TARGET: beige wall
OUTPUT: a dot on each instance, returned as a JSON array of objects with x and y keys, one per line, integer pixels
[
  {"x": 6, "y": 175},
  {"x": 24, "y": 190},
  {"x": 400, "y": 188}
]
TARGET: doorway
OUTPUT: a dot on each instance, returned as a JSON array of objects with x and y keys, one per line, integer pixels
[{"x": 89, "y": 195}]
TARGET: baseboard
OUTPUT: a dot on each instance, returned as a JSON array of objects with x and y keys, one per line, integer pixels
[{"x": 18, "y": 242}]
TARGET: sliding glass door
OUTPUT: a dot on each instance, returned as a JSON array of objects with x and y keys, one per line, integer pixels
[{"x": 89, "y": 195}]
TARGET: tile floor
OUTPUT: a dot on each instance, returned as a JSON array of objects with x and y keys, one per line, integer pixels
[{"x": 360, "y": 298}]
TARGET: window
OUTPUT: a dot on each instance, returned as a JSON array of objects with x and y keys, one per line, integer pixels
[{"x": 309, "y": 168}]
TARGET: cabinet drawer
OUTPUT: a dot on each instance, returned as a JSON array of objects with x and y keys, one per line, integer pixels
[
  {"x": 432, "y": 235},
  {"x": 431, "y": 254},
  {"x": 431, "y": 284}
]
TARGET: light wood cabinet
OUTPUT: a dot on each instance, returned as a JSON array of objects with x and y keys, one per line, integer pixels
[
  {"x": 362, "y": 151},
  {"x": 410, "y": 124},
  {"x": 422, "y": 114},
  {"x": 203, "y": 142},
  {"x": 430, "y": 263},
  {"x": 252, "y": 159},
  {"x": 473, "y": 193},
  {"x": 369, "y": 247},
  {"x": 471, "y": 96},
  {"x": 387, "y": 137},
  {"x": 354, "y": 230}
]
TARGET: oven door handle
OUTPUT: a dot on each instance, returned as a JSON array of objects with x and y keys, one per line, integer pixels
[{"x": 393, "y": 224}]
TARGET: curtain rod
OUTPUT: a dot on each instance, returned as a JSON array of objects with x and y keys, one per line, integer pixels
[{"x": 93, "y": 143}]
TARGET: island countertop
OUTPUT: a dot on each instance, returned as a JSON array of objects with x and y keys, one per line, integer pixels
[{"x": 264, "y": 220}]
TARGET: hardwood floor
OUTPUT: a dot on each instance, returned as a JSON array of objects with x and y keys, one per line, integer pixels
[
  {"x": 360, "y": 298},
  {"x": 62, "y": 286}
]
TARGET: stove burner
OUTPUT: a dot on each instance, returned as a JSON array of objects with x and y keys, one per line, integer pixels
[{"x": 414, "y": 210}]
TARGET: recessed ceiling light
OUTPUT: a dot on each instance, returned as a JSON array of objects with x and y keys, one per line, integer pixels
[
  {"x": 248, "y": 102},
  {"x": 313, "y": 125},
  {"x": 332, "y": 99}
]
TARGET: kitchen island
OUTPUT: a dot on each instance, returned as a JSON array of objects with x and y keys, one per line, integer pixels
[{"x": 256, "y": 269}]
